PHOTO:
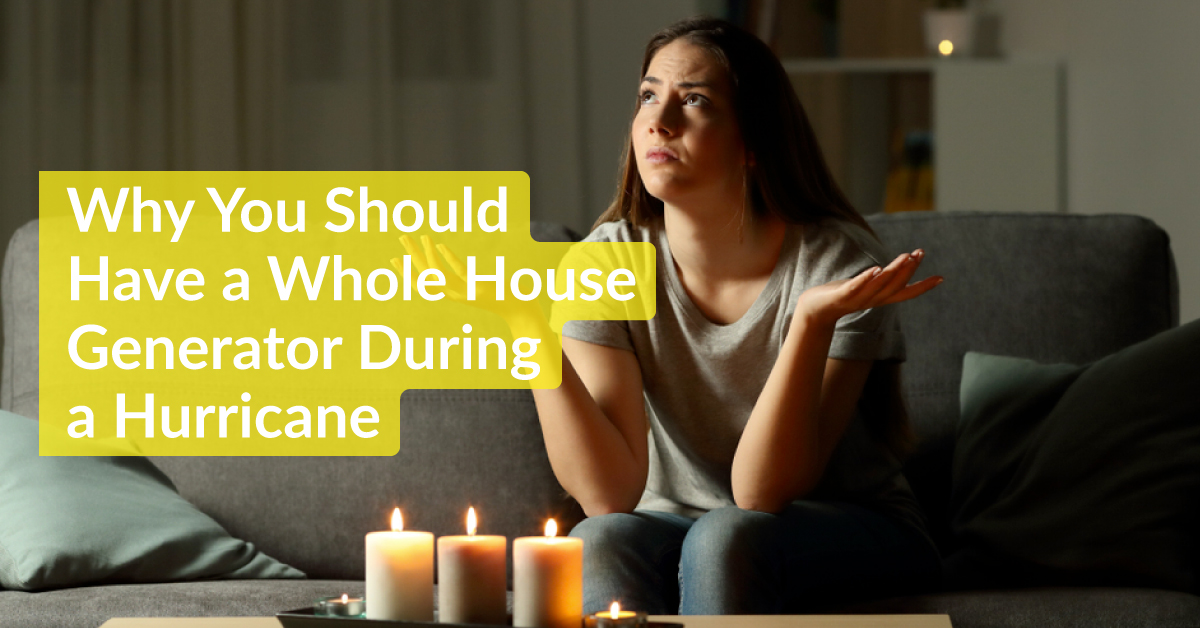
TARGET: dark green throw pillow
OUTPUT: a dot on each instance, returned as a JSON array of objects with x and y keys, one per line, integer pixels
[
  {"x": 69, "y": 521},
  {"x": 1080, "y": 475}
]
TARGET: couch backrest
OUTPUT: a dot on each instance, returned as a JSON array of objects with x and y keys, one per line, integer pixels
[
  {"x": 1045, "y": 286},
  {"x": 1051, "y": 287}
]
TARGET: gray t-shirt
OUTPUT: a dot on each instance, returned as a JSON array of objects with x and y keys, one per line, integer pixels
[{"x": 702, "y": 379}]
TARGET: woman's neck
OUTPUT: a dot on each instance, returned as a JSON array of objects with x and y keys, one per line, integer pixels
[{"x": 723, "y": 246}]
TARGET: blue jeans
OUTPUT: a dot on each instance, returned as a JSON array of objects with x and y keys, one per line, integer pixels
[{"x": 812, "y": 556}]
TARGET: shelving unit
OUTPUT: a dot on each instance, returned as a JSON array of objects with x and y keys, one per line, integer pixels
[
  {"x": 864, "y": 66},
  {"x": 998, "y": 127}
]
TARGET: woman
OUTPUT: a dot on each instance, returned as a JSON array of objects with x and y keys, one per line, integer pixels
[
  {"x": 770, "y": 479},
  {"x": 767, "y": 379}
]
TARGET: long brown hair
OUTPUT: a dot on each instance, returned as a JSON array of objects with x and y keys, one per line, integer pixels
[{"x": 789, "y": 177}]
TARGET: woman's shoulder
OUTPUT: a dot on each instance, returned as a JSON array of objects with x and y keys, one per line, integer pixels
[
  {"x": 834, "y": 248},
  {"x": 620, "y": 231}
]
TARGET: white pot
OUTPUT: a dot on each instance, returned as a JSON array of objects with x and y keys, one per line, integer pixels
[{"x": 956, "y": 26}]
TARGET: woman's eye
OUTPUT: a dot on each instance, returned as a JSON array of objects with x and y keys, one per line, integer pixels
[
  {"x": 693, "y": 99},
  {"x": 646, "y": 97}
]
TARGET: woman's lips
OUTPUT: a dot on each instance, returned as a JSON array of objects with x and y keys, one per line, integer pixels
[{"x": 661, "y": 154}]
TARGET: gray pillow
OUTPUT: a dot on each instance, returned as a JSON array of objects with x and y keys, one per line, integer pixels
[
  {"x": 1080, "y": 475},
  {"x": 69, "y": 521}
]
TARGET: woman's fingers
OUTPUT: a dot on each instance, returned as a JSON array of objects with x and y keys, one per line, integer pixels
[
  {"x": 849, "y": 287},
  {"x": 903, "y": 272},
  {"x": 899, "y": 289},
  {"x": 890, "y": 285},
  {"x": 431, "y": 257},
  {"x": 881, "y": 282},
  {"x": 425, "y": 257},
  {"x": 453, "y": 261},
  {"x": 914, "y": 290},
  {"x": 410, "y": 247}
]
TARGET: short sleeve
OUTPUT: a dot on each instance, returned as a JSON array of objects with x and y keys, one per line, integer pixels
[
  {"x": 609, "y": 333},
  {"x": 872, "y": 334},
  {"x": 840, "y": 250}
]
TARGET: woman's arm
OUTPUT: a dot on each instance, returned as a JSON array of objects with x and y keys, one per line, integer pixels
[
  {"x": 799, "y": 418},
  {"x": 594, "y": 425},
  {"x": 809, "y": 399}
]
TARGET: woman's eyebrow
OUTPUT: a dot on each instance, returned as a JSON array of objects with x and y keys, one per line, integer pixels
[{"x": 684, "y": 85}]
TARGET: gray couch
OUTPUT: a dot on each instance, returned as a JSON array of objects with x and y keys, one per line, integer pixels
[{"x": 1012, "y": 288}]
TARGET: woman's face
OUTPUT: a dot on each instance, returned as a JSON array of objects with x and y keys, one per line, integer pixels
[{"x": 685, "y": 135}]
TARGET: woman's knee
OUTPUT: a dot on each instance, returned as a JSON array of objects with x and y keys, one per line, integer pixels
[
  {"x": 605, "y": 532},
  {"x": 630, "y": 557},
  {"x": 728, "y": 534},
  {"x": 729, "y": 563}
]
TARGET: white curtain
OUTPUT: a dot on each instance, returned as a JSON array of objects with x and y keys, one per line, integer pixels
[
  {"x": 543, "y": 86},
  {"x": 192, "y": 84},
  {"x": 291, "y": 85}
]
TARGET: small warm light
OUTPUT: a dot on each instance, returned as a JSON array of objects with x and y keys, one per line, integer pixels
[
  {"x": 946, "y": 47},
  {"x": 397, "y": 521},
  {"x": 551, "y": 528},
  {"x": 472, "y": 523},
  {"x": 615, "y": 610},
  {"x": 334, "y": 606}
]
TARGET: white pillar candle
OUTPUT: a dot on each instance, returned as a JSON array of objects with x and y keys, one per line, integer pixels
[
  {"x": 400, "y": 574},
  {"x": 472, "y": 579},
  {"x": 547, "y": 581}
]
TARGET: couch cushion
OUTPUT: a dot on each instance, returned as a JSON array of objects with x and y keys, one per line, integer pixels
[
  {"x": 1057, "y": 607},
  {"x": 1050, "y": 287},
  {"x": 1081, "y": 475},
  {"x": 70, "y": 521},
  {"x": 89, "y": 607}
]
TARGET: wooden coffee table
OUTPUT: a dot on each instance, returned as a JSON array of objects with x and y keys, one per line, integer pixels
[{"x": 691, "y": 621}]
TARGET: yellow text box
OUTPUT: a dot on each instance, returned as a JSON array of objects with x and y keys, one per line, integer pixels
[{"x": 277, "y": 313}]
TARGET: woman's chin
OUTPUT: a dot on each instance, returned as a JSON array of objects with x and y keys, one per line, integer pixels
[{"x": 668, "y": 189}]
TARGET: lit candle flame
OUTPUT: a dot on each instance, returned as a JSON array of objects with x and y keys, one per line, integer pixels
[
  {"x": 345, "y": 598},
  {"x": 946, "y": 47},
  {"x": 615, "y": 611},
  {"x": 551, "y": 528},
  {"x": 472, "y": 523},
  {"x": 397, "y": 521}
]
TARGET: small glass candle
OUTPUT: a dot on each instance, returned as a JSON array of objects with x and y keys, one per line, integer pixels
[
  {"x": 616, "y": 617},
  {"x": 340, "y": 606}
]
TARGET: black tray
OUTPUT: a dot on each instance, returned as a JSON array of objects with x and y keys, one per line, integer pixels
[{"x": 305, "y": 618}]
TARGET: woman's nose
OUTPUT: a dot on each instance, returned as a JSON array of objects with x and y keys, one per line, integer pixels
[{"x": 666, "y": 122}]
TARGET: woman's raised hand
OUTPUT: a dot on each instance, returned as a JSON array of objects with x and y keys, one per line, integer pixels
[
  {"x": 438, "y": 257},
  {"x": 871, "y": 288}
]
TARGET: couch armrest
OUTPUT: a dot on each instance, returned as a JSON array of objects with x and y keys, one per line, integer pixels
[{"x": 19, "y": 295}]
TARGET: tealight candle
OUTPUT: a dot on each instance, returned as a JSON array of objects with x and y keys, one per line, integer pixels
[
  {"x": 614, "y": 617},
  {"x": 340, "y": 606},
  {"x": 472, "y": 579},
  {"x": 547, "y": 580},
  {"x": 400, "y": 573}
]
